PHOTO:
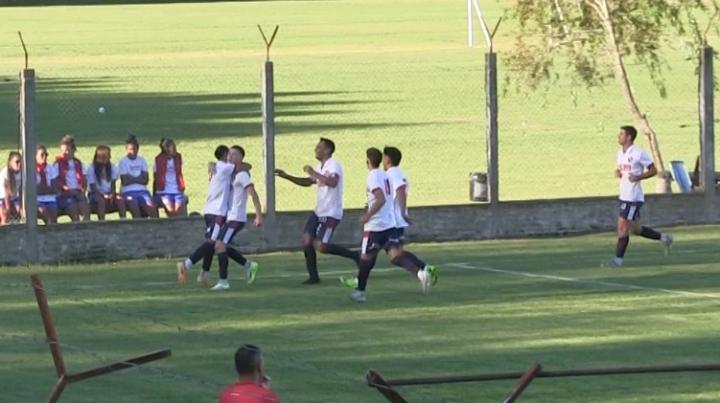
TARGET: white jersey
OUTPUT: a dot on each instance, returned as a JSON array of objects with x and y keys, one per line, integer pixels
[
  {"x": 70, "y": 175},
  {"x": 134, "y": 168},
  {"x": 632, "y": 161},
  {"x": 51, "y": 174},
  {"x": 384, "y": 219},
  {"x": 4, "y": 176},
  {"x": 219, "y": 189},
  {"x": 329, "y": 200},
  {"x": 104, "y": 185},
  {"x": 398, "y": 181},
  {"x": 240, "y": 186}
]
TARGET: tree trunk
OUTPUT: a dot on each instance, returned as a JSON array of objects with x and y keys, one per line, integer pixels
[{"x": 663, "y": 184}]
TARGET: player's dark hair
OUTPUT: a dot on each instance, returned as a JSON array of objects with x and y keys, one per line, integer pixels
[
  {"x": 99, "y": 168},
  {"x": 41, "y": 147},
  {"x": 630, "y": 131},
  {"x": 131, "y": 139},
  {"x": 164, "y": 143},
  {"x": 69, "y": 141},
  {"x": 394, "y": 154},
  {"x": 221, "y": 152},
  {"x": 240, "y": 149},
  {"x": 247, "y": 358},
  {"x": 329, "y": 144},
  {"x": 11, "y": 178},
  {"x": 374, "y": 156}
]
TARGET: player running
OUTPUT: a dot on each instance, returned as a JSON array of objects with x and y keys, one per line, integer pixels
[
  {"x": 380, "y": 228},
  {"x": 242, "y": 187},
  {"x": 633, "y": 166},
  {"x": 320, "y": 226}
]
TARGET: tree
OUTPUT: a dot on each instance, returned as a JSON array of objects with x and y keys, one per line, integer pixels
[{"x": 587, "y": 34}]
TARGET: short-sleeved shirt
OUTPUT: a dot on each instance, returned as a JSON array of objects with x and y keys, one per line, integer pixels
[
  {"x": 70, "y": 175},
  {"x": 632, "y": 161},
  {"x": 219, "y": 189},
  {"x": 329, "y": 199},
  {"x": 171, "y": 183},
  {"x": 51, "y": 174},
  {"x": 5, "y": 175},
  {"x": 238, "y": 206},
  {"x": 385, "y": 217},
  {"x": 135, "y": 168},
  {"x": 104, "y": 185},
  {"x": 247, "y": 392},
  {"x": 398, "y": 181}
]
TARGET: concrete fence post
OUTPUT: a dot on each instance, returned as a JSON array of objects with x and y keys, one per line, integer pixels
[
  {"x": 707, "y": 129},
  {"x": 491, "y": 101},
  {"x": 268, "y": 129},
  {"x": 29, "y": 187}
]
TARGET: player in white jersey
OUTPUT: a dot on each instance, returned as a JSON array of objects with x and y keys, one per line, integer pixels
[
  {"x": 319, "y": 229},
  {"x": 242, "y": 187},
  {"x": 379, "y": 226},
  {"x": 216, "y": 208},
  {"x": 10, "y": 185},
  {"x": 633, "y": 166}
]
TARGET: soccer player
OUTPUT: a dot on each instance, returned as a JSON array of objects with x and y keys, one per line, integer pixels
[
  {"x": 72, "y": 181},
  {"x": 320, "y": 226},
  {"x": 253, "y": 385},
  {"x": 242, "y": 187},
  {"x": 47, "y": 187},
  {"x": 633, "y": 166},
  {"x": 102, "y": 175},
  {"x": 169, "y": 183},
  {"x": 10, "y": 185},
  {"x": 380, "y": 228},
  {"x": 216, "y": 208},
  {"x": 134, "y": 179}
]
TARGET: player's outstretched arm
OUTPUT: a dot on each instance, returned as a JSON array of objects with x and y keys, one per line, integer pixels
[
  {"x": 305, "y": 182},
  {"x": 258, "y": 207},
  {"x": 330, "y": 180}
]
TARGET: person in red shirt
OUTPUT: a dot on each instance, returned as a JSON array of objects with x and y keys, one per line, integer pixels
[{"x": 253, "y": 386}]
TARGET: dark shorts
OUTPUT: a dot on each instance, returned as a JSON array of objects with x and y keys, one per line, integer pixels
[
  {"x": 630, "y": 210},
  {"x": 214, "y": 225},
  {"x": 229, "y": 230},
  {"x": 141, "y": 196},
  {"x": 47, "y": 204},
  {"x": 65, "y": 202},
  {"x": 400, "y": 234},
  {"x": 377, "y": 241},
  {"x": 14, "y": 201},
  {"x": 321, "y": 228},
  {"x": 170, "y": 198}
]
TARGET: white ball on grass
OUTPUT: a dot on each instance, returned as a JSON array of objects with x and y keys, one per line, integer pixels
[{"x": 101, "y": 109}]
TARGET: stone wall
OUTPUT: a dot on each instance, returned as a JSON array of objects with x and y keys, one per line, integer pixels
[{"x": 117, "y": 240}]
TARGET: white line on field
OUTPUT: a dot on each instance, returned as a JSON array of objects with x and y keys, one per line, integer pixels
[{"x": 467, "y": 266}]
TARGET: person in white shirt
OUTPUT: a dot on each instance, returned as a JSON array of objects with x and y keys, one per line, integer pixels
[
  {"x": 134, "y": 178},
  {"x": 102, "y": 175},
  {"x": 242, "y": 188},
  {"x": 47, "y": 186},
  {"x": 71, "y": 181},
  {"x": 11, "y": 183},
  {"x": 633, "y": 166},
  {"x": 323, "y": 221},
  {"x": 169, "y": 183},
  {"x": 379, "y": 226}
]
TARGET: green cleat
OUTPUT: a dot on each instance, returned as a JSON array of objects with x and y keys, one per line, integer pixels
[
  {"x": 349, "y": 282},
  {"x": 433, "y": 273},
  {"x": 252, "y": 272}
]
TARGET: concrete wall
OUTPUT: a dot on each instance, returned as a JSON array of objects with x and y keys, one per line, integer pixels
[{"x": 116, "y": 240}]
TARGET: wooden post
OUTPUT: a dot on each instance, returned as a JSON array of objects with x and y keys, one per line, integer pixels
[
  {"x": 376, "y": 381},
  {"x": 707, "y": 128},
  {"x": 52, "y": 338},
  {"x": 29, "y": 187},
  {"x": 523, "y": 383},
  {"x": 491, "y": 101}
]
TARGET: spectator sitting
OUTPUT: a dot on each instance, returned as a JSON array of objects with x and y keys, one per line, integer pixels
[
  {"x": 102, "y": 175},
  {"x": 253, "y": 386},
  {"x": 11, "y": 178},
  {"x": 134, "y": 179},
  {"x": 47, "y": 187},
  {"x": 72, "y": 181},
  {"x": 169, "y": 184}
]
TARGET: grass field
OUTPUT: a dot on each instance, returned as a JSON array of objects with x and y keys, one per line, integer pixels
[
  {"x": 370, "y": 72},
  {"x": 499, "y": 306}
]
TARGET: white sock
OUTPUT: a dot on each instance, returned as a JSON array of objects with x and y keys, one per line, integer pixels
[
  {"x": 223, "y": 282},
  {"x": 663, "y": 236},
  {"x": 248, "y": 264},
  {"x": 188, "y": 264}
]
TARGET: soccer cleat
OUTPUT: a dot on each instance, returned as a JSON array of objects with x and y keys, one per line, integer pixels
[
  {"x": 433, "y": 273},
  {"x": 667, "y": 241},
  {"x": 358, "y": 296},
  {"x": 616, "y": 262},
  {"x": 202, "y": 278},
  {"x": 425, "y": 281},
  {"x": 251, "y": 272},
  {"x": 221, "y": 285},
  {"x": 349, "y": 282},
  {"x": 181, "y": 274},
  {"x": 311, "y": 281}
]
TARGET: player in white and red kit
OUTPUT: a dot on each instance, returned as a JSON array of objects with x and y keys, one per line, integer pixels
[
  {"x": 380, "y": 229},
  {"x": 320, "y": 226},
  {"x": 633, "y": 166}
]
